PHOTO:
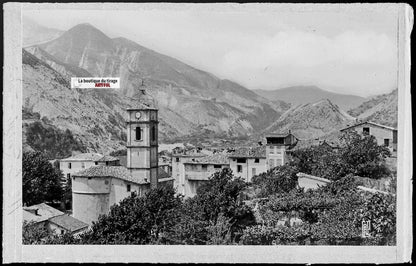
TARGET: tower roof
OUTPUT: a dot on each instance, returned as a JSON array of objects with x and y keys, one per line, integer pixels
[{"x": 119, "y": 172}]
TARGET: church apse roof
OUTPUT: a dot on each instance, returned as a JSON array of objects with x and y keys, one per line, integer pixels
[{"x": 119, "y": 172}]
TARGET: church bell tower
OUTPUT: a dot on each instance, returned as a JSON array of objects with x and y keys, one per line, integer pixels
[{"x": 142, "y": 144}]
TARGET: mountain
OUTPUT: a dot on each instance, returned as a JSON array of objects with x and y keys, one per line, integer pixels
[
  {"x": 381, "y": 109},
  {"x": 190, "y": 101},
  {"x": 311, "y": 120},
  {"x": 309, "y": 94},
  {"x": 33, "y": 33}
]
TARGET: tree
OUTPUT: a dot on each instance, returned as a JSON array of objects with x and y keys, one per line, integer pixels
[
  {"x": 362, "y": 156},
  {"x": 357, "y": 155},
  {"x": 216, "y": 209},
  {"x": 136, "y": 220},
  {"x": 277, "y": 180},
  {"x": 41, "y": 181}
]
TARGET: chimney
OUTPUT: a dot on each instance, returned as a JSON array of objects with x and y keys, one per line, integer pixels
[{"x": 34, "y": 211}]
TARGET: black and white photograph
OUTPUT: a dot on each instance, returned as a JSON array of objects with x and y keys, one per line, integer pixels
[{"x": 270, "y": 128}]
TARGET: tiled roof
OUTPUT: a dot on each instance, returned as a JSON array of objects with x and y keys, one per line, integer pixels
[
  {"x": 84, "y": 157},
  {"x": 217, "y": 158},
  {"x": 45, "y": 212},
  {"x": 303, "y": 144},
  {"x": 190, "y": 154},
  {"x": 119, "y": 172},
  {"x": 256, "y": 152},
  {"x": 68, "y": 222},
  {"x": 107, "y": 158},
  {"x": 371, "y": 123}
]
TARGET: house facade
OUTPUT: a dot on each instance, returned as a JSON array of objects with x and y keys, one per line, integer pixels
[
  {"x": 278, "y": 146},
  {"x": 178, "y": 168},
  {"x": 77, "y": 163},
  {"x": 53, "y": 220},
  {"x": 200, "y": 170},
  {"x": 248, "y": 162},
  {"x": 384, "y": 135}
]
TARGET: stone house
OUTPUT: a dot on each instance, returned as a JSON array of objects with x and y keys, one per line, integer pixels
[
  {"x": 248, "y": 162},
  {"x": 199, "y": 170},
  {"x": 384, "y": 135},
  {"x": 55, "y": 221}
]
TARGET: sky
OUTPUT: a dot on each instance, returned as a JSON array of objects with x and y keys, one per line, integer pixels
[{"x": 349, "y": 50}]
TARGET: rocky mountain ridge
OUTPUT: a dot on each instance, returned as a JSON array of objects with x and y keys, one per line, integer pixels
[{"x": 309, "y": 94}]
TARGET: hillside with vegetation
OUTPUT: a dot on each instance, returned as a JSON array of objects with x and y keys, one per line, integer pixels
[{"x": 382, "y": 109}]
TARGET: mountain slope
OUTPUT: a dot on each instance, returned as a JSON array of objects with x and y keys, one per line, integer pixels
[
  {"x": 311, "y": 120},
  {"x": 96, "y": 118},
  {"x": 33, "y": 33},
  {"x": 382, "y": 109},
  {"x": 309, "y": 94},
  {"x": 191, "y": 100}
]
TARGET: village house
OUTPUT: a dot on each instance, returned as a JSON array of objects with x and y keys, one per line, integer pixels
[
  {"x": 199, "y": 170},
  {"x": 97, "y": 188},
  {"x": 82, "y": 161},
  {"x": 55, "y": 221},
  {"x": 178, "y": 168},
  {"x": 384, "y": 135},
  {"x": 248, "y": 162},
  {"x": 278, "y": 147}
]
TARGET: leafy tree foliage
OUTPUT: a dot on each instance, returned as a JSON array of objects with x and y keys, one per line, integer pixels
[
  {"x": 54, "y": 142},
  {"x": 277, "y": 180},
  {"x": 121, "y": 152},
  {"x": 216, "y": 206},
  {"x": 41, "y": 181},
  {"x": 358, "y": 155},
  {"x": 136, "y": 220},
  {"x": 362, "y": 156},
  {"x": 33, "y": 234},
  {"x": 331, "y": 215}
]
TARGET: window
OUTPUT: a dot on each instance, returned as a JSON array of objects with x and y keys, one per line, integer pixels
[
  {"x": 177, "y": 159},
  {"x": 204, "y": 167},
  {"x": 386, "y": 142},
  {"x": 253, "y": 171},
  {"x": 128, "y": 188},
  {"x": 83, "y": 165},
  {"x": 271, "y": 163},
  {"x": 366, "y": 130},
  {"x": 271, "y": 150},
  {"x": 96, "y": 163},
  {"x": 106, "y": 163},
  {"x": 68, "y": 175},
  {"x": 138, "y": 133},
  {"x": 69, "y": 165},
  {"x": 217, "y": 166},
  {"x": 241, "y": 160},
  {"x": 256, "y": 160},
  {"x": 239, "y": 169}
]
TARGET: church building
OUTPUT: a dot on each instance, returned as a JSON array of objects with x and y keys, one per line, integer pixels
[{"x": 96, "y": 189}]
